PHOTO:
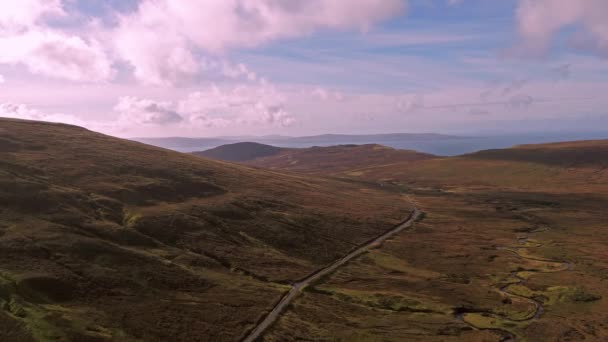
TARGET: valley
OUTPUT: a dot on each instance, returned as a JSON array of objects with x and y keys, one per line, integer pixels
[
  {"x": 317, "y": 170},
  {"x": 502, "y": 253},
  {"x": 103, "y": 238},
  {"x": 108, "y": 239}
]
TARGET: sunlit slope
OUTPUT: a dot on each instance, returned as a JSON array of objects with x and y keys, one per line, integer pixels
[
  {"x": 106, "y": 238},
  {"x": 558, "y": 167},
  {"x": 512, "y": 246},
  {"x": 313, "y": 160}
]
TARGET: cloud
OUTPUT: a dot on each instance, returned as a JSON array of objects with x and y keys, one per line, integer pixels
[
  {"x": 24, "y": 39},
  {"x": 22, "y": 111},
  {"x": 237, "y": 71},
  {"x": 23, "y": 14},
  {"x": 539, "y": 20},
  {"x": 240, "y": 105},
  {"x": 455, "y": 2},
  {"x": 479, "y": 112},
  {"x": 2, "y": 79},
  {"x": 54, "y": 54},
  {"x": 143, "y": 111},
  {"x": 520, "y": 101},
  {"x": 410, "y": 104},
  {"x": 561, "y": 72},
  {"x": 167, "y": 42},
  {"x": 326, "y": 95},
  {"x": 514, "y": 86},
  {"x": 163, "y": 37},
  {"x": 208, "y": 108}
]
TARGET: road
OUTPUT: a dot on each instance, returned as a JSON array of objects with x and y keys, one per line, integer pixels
[{"x": 310, "y": 279}]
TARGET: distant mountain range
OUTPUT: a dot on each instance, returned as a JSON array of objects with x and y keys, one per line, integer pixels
[
  {"x": 432, "y": 143},
  {"x": 180, "y": 142},
  {"x": 191, "y": 144},
  {"x": 314, "y": 160}
]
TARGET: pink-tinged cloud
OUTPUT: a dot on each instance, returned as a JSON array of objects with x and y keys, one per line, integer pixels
[
  {"x": 23, "y": 14},
  {"x": 255, "y": 105},
  {"x": 55, "y": 54},
  {"x": 143, "y": 111},
  {"x": 25, "y": 40},
  {"x": 22, "y": 111},
  {"x": 161, "y": 39},
  {"x": 539, "y": 20}
]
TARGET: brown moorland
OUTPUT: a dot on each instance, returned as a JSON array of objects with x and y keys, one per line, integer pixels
[
  {"x": 512, "y": 246},
  {"x": 107, "y": 239},
  {"x": 313, "y": 160}
]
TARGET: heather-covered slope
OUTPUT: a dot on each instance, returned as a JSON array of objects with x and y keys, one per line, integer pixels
[
  {"x": 102, "y": 238},
  {"x": 313, "y": 160},
  {"x": 241, "y": 152},
  {"x": 512, "y": 247},
  {"x": 566, "y": 167}
]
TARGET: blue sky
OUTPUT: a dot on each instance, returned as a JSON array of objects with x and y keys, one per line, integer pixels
[{"x": 210, "y": 67}]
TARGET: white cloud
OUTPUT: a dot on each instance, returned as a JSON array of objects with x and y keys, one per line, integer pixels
[
  {"x": 326, "y": 95},
  {"x": 241, "y": 105},
  {"x": 169, "y": 42},
  {"x": 24, "y": 39},
  {"x": 520, "y": 101},
  {"x": 55, "y": 54},
  {"x": 562, "y": 72},
  {"x": 539, "y": 20},
  {"x": 2, "y": 79},
  {"x": 409, "y": 103},
  {"x": 143, "y": 111},
  {"x": 209, "y": 107},
  {"x": 22, "y": 111},
  {"x": 23, "y": 14},
  {"x": 163, "y": 37}
]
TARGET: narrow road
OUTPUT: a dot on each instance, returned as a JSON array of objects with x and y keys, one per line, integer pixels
[{"x": 297, "y": 287}]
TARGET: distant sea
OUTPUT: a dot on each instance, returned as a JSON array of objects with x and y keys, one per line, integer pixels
[{"x": 446, "y": 146}]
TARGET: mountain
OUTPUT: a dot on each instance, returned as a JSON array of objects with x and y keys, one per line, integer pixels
[
  {"x": 198, "y": 144},
  {"x": 180, "y": 143},
  {"x": 371, "y": 138},
  {"x": 590, "y": 153},
  {"x": 322, "y": 160},
  {"x": 567, "y": 167},
  {"x": 241, "y": 152},
  {"x": 109, "y": 239}
]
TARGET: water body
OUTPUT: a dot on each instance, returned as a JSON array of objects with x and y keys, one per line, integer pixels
[{"x": 446, "y": 146}]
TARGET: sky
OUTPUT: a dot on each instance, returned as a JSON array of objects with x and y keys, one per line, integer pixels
[{"x": 151, "y": 68}]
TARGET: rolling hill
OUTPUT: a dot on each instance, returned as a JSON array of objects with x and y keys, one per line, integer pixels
[
  {"x": 565, "y": 167},
  {"x": 313, "y": 160},
  {"x": 108, "y": 239},
  {"x": 241, "y": 152},
  {"x": 512, "y": 247}
]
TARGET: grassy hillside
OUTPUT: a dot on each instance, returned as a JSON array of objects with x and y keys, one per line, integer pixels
[
  {"x": 582, "y": 166},
  {"x": 313, "y": 160},
  {"x": 102, "y": 238},
  {"x": 593, "y": 154},
  {"x": 512, "y": 246},
  {"x": 240, "y": 152}
]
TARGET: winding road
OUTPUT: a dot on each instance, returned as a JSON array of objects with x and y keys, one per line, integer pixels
[{"x": 313, "y": 277}]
